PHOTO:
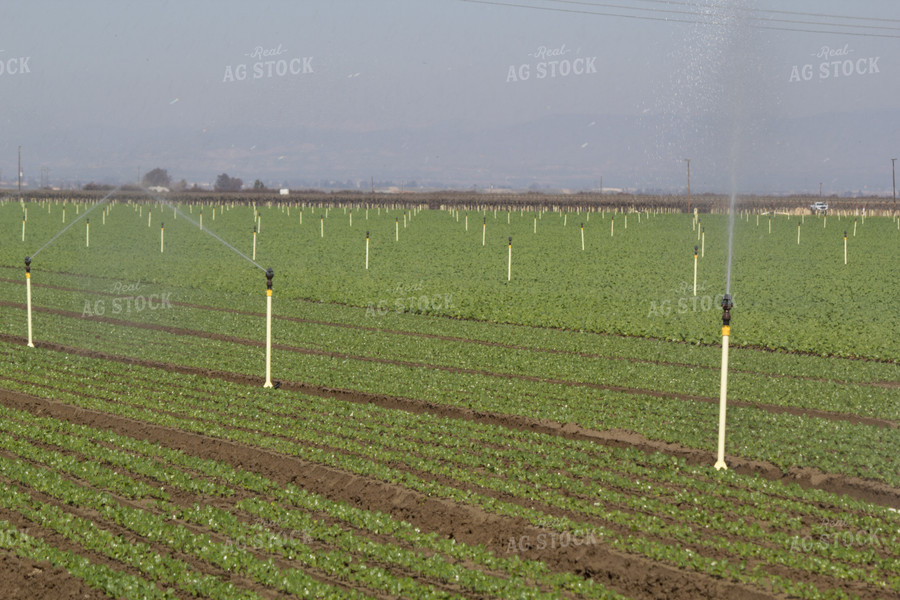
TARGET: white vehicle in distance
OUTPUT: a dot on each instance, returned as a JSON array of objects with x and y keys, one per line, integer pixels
[{"x": 819, "y": 207}]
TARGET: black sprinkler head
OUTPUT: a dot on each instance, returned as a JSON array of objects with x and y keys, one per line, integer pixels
[
  {"x": 727, "y": 305},
  {"x": 269, "y": 275}
]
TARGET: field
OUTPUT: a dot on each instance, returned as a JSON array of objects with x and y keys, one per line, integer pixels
[{"x": 446, "y": 421}]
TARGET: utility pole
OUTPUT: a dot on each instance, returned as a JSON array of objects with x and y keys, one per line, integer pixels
[{"x": 894, "y": 182}]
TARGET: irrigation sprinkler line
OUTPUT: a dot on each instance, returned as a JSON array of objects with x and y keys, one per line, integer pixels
[
  {"x": 204, "y": 230},
  {"x": 83, "y": 215}
]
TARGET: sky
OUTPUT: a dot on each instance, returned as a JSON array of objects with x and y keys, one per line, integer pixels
[{"x": 762, "y": 96}]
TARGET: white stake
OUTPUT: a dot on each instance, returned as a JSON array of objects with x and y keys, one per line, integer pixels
[
  {"x": 582, "y": 237},
  {"x": 695, "y": 270},
  {"x": 28, "y": 297},
  {"x": 509, "y": 263},
  {"x": 483, "y": 231},
  {"x": 269, "y": 274},
  {"x": 723, "y": 386},
  {"x": 162, "y": 232},
  {"x": 367, "y": 250},
  {"x": 87, "y": 234},
  {"x": 254, "y": 243}
]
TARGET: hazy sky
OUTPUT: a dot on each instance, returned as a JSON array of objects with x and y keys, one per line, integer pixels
[{"x": 452, "y": 90}]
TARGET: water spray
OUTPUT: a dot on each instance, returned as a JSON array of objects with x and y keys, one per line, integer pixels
[
  {"x": 723, "y": 387},
  {"x": 28, "y": 296},
  {"x": 269, "y": 275}
]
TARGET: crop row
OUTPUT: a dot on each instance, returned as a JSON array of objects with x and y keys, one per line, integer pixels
[
  {"x": 610, "y": 287},
  {"x": 340, "y": 543},
  {"x": 286, "y": 435},
  {"x": 646, "y": 372},
  {"x": 784, "y": 439}
]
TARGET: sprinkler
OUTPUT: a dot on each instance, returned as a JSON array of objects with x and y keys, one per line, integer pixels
[
  {"x": 695, "y": 270},
  {"x": 845, "y": 246},
  {"x": 28, "y": 298},
  {"x": 367, "y": 250},
  {"x": 269, "y": 275},
  {"x": 509, "y": 263},
  {"x": 727, "y": 305}
]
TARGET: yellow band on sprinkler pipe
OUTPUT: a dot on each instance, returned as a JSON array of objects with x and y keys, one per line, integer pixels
[
  {"x": 726, "y": 330},
  {"x": 268, "y": 292}
]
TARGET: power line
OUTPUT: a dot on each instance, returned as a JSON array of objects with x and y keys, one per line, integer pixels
[
  {"x": 776, "y": 11},
  {"x": 705, "y": 17}
]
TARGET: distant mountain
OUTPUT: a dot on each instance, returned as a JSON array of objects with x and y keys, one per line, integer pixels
[{"x": 845, "y": 151}]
